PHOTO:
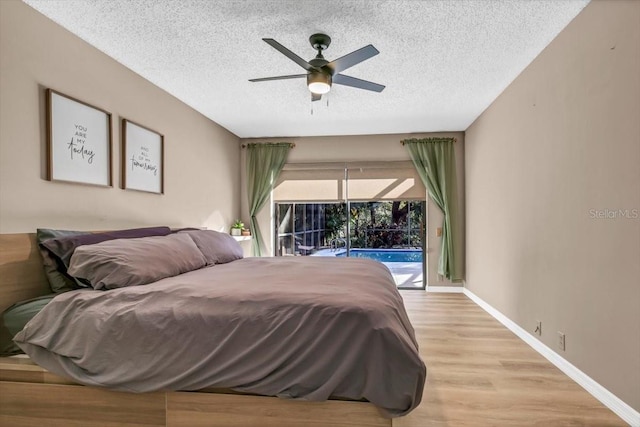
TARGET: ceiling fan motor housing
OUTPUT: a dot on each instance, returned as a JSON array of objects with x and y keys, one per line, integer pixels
[{"x": 319, "y": 63}]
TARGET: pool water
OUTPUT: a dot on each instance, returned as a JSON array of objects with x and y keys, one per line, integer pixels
[{"x": 386, "y": 255}]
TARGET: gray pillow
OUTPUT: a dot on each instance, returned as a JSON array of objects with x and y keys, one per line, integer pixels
[
  {"x": 131, "y": 262},
  {"x": 54, "y": 270},
  {"x": 13, "y": 320},
  {"x": 218, "y": 248},
  {"x": 62, "y": 248}
]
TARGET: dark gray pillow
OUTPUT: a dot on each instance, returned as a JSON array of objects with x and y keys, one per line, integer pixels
[
  {"x": 13, "y": 320},
  {"x": 131, "y": 262},
  {"x": 217, "y": 248},
  {"x": 61, "y": 249},
  {"x": 54, "y": 269}
]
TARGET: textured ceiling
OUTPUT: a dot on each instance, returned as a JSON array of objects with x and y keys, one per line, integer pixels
[{"x": 443, "y": 62}]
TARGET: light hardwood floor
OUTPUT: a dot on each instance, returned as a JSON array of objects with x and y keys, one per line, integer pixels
[{"x": 480, "y": 374}]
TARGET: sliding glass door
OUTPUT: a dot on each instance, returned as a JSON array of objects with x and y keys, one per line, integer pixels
[
  {"x": 389, "y": 232},
  {"x": 356, "y": 212}
]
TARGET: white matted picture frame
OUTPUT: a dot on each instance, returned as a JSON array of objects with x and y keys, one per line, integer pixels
[
  {"x": 142, "y": 158},
  {"x": 78, "y": 141}
]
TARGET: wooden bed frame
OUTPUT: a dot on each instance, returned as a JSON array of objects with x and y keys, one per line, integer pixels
[{"x": 31, "y": 396}]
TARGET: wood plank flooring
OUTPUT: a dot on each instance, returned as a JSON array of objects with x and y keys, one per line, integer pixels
[{"x": 480, "y": 374}]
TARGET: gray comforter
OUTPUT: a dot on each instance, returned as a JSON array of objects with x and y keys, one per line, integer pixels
[{"x": 303, "y": 327}]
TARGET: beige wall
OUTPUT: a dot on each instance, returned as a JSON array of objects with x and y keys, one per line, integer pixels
[
  {"x": 362, "y": 148},
  {"x": 202, "y": 158},
  {"x": 560, "y": 146}
]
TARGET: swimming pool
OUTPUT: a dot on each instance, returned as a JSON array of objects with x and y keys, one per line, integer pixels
[{"x": 385, "y": 255}]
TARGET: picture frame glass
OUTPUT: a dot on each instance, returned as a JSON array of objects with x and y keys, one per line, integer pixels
[
  {"x": 79, "y": 142},
  {"x": 143, "y": 158}
]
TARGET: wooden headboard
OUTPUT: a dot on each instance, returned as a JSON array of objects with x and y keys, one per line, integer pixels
[{"x": 21, "y": 273}]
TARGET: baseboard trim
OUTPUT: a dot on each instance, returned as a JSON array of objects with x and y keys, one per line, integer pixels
[
  {"x": 446, "y": 289},
  {"x": 611, "y": 401}
]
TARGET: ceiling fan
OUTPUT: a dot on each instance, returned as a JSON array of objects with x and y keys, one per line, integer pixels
[{"x": 322, "y": 73}]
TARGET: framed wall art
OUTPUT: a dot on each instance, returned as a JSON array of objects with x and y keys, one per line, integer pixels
[
  {"x": 78, "y": 141},
  {"x": 142, "y": 158}
]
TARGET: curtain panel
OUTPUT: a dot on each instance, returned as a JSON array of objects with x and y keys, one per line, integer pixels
[
  {"x": 264, "y": 164},
  {"x": 434, "y": 159}
]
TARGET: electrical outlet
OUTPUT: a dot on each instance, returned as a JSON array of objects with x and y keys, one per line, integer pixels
[
  {"x": 561, "y": 341},
  {"x": 538, "y": 327}
]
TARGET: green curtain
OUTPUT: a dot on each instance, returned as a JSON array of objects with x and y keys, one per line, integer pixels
[
  {"x": 434, "y": 159},
  {"x": 264, "y": 163}
]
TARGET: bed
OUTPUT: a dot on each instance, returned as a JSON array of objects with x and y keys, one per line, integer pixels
[{"x": 277, "y": 352}]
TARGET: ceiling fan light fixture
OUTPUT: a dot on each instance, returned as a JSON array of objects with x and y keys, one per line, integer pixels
[{"x": 319, "y": 82}]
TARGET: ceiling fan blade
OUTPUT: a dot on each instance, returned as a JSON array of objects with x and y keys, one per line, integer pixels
[
  {"x": 315, "y": 97},
  {"x": 265, "y": 79},
  {"x": 341, "y": 79},
  {"x": 353, "y": 58},
  {"x": 292, "y": 56}
]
